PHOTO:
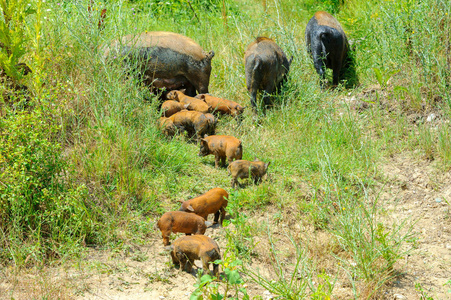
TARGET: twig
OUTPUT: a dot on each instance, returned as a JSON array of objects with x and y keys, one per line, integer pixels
[{"x": 189, "y": 3}]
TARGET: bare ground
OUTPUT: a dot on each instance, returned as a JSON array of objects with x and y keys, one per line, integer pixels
[{"x": 412, "y": 189}]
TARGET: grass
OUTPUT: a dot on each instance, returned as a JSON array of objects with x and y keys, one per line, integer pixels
[{"x": 117, "y": 173}]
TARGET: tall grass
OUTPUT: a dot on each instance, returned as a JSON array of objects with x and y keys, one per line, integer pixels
[{"x": 113, "y": 172}]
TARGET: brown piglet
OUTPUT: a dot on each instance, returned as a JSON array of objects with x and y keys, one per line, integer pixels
[
  {"x": 212, "y": 202},
  {"x": 193, "y": 122},
  {"x": 222, "y": 106},
  {"x": 187, "y": 249},
  {"x": 170, "y": 107},
  {"x": 179, "y": 221},
  {"x": 188, "y": 102},
  {"x": 243, "y": 169},
  {"x": 167, "y": 126},
  {"x": 222, "y": 147}
]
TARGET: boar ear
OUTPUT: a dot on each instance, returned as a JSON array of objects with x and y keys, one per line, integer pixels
[
  {"x": 208, "y": 223},
  {"x": 267, "y": 165},
  {"x": 205, "y": 135},
  {"x": 290, "y": 61},
  {"x": 186, "y": 105},
  {"x": 183, "y": 91},
  {"x": 210, "y": 55},
  {"x": 190, "y": 208}
]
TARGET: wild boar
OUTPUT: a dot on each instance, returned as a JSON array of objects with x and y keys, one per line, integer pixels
[
  {"x": 211, "y": 123},
  {"x": 328, "y": 46},
  {"x": 165, "y": 59},
  {"x": 193, "y": 122},
  {"x": 188, "y": 102},
  {"x": 212, "y": 202},
  {"x": 170, "y": 107},
  {"x": 221, "y": 106},
  {"x": 243, "y": 168},
  {"x": 167, "y": 126},
  {"x": 179, "y": 221},
  {"x": 187, "y": 249},
  {"x": 222, "y": 147},
  {"x": 266, "y": 68}
]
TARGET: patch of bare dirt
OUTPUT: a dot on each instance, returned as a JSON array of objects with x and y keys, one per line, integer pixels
[{"x": 417, "y": 191}]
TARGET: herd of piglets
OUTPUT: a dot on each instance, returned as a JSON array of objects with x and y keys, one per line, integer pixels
[{"x": 191, "y": 219}]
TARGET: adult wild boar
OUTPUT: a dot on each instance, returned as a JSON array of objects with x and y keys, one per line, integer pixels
[
  {"x": 179, "y": 221},
  {"x": 328, "y": 45},
  {"x": 243, "y": 169},
  {"x": 222, "y": 147},
  {"x": 165, "y": 60},
  {"x": 187, "y": 249},
  {"x": 266, "y": 68},
  {"x": 212, "y": 202}
]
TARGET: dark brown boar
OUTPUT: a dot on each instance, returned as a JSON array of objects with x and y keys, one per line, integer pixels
[
  {"x": 222, "y": 147},
  {"x": 188, "y": 102},
  {"x": 165, "y": 58},
  {"x": 170, "y": 107},
  {"x": 266, "y": 68},
  {"x": 167, "y": 126},
  {"x": 222, "y": 106},
  {"x": 179, "y": 221},
  {"x": 243, "y": 169},
  {"x": 328, "y": 45},
  {"x": 187, "y": 249},
  {"x": 212, "y": 202}
]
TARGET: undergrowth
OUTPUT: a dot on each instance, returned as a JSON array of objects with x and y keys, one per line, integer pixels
[{"x": 83, "y": 163}]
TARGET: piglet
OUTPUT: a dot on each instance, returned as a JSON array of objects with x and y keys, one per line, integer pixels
[
  {"x": 243, "y": 168},
  {"x": 212, "y": 202},
  {"x": 187, "y": 249},
  {"x": 222, "y": 147},
  {"x": 179, "y": 221}
]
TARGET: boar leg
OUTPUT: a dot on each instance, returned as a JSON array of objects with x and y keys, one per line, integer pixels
[
  {"x": 217, "y": 161},
  {"x": 205, "y": 265},
  {"x": 223, "y": 212},
  {"x": 234, "y": 182},
  {"x": 215, "y": 221},
  {"x": 165, "y": 234},
  {"x": 175, "y": 260}
]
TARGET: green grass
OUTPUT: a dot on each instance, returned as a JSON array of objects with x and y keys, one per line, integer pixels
[{"x": 113, "y": 172}]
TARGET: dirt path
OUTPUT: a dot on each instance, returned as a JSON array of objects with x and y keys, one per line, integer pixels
[
  {"x": 414, "y": 189},
  {"x": 417, "y": 191}
]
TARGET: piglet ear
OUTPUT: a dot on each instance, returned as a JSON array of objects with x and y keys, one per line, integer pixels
[
  {"x": 267, "y": 165},
  {"x": 190, "y": 208},
  {"x": 183, "y": 91}
]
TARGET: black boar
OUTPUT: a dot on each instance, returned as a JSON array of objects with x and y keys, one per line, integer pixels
[
  {"x": 328, "y": 45},
  {"x": 266, "y": 68},
  {"x": 222, "y": 147},
  {"x": 243, "y": 168},
  {"x": 165, "y": 59},
  {"x": 187, "y": 249}
]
